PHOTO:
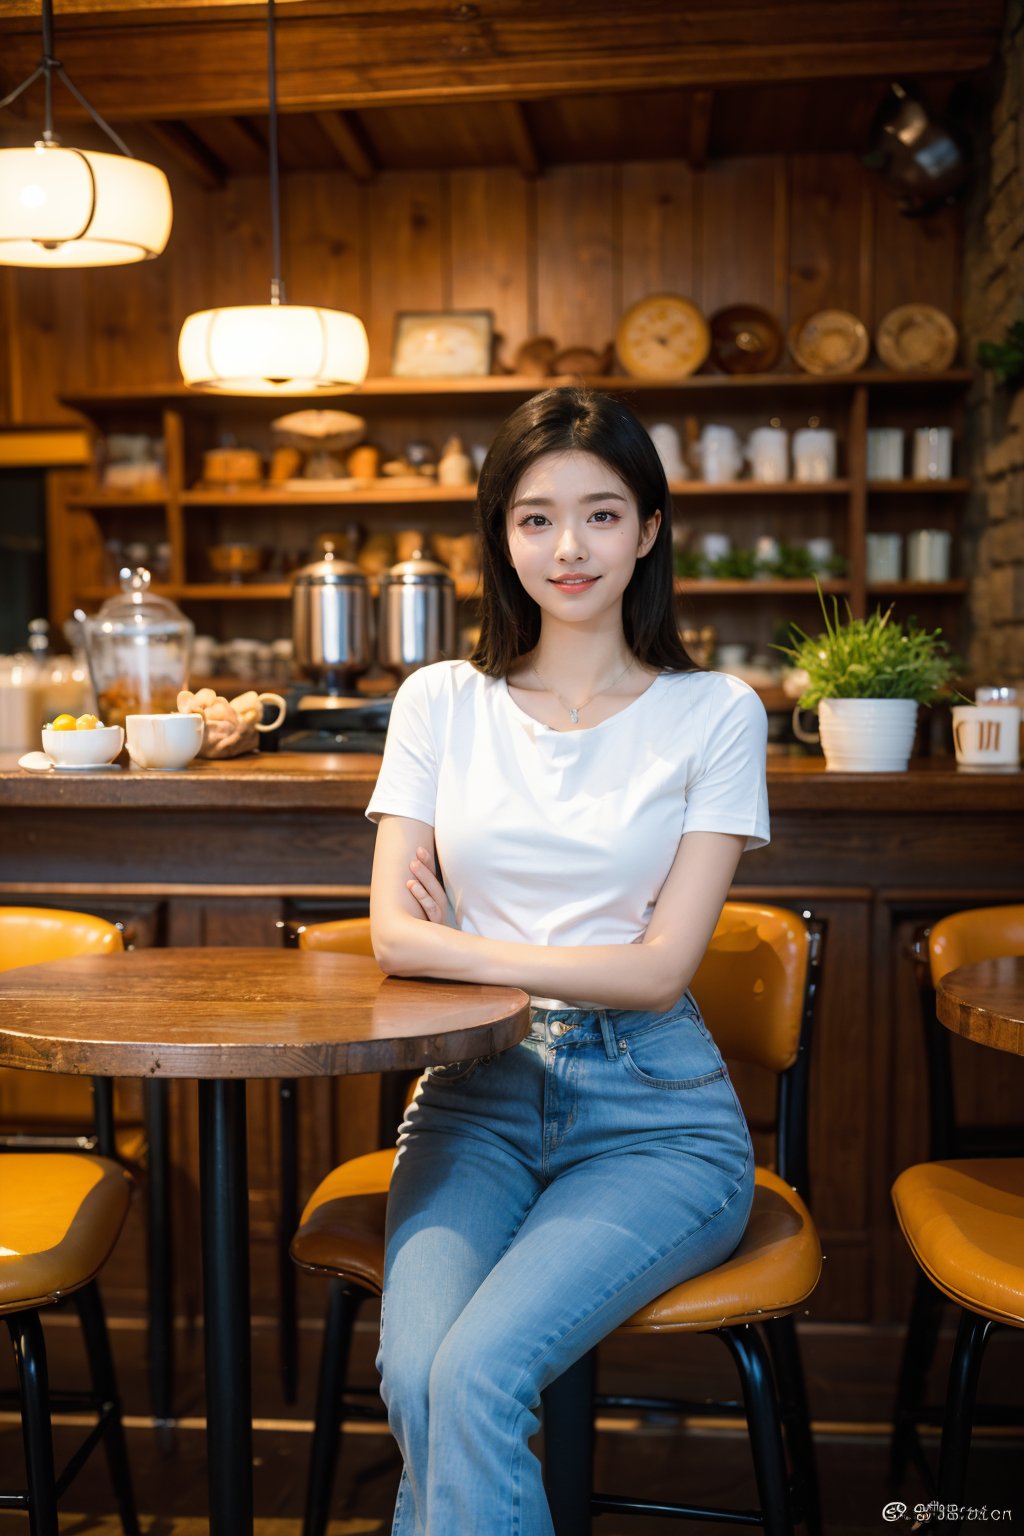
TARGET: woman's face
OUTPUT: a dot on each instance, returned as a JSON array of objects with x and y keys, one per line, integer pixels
[{"x": 574, "y": 535}]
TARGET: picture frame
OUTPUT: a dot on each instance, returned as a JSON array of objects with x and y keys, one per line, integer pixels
[{"x": 442, "y": 344}]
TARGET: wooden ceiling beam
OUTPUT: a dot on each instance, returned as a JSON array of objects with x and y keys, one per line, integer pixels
[
  {"x": 348, "y": 140},
  {"x": 190, "y": 153},
  {"x": 699, "y": 138},
  {"x": 513, "y": 115}
]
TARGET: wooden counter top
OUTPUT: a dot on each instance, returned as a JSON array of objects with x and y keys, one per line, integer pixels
[{"x": 289, "y": 781}]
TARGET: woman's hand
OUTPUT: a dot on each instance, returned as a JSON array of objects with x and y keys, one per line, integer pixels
[{"x": 427, "y": 889}]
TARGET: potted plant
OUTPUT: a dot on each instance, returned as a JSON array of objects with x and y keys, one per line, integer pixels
[{"x": 866, "y": 678}]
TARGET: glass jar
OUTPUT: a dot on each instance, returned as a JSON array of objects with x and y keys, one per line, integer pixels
[{"x": 139, "y": 647}]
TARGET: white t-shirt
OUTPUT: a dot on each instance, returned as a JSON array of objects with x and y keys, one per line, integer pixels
[{"x": 566, "y": 837}]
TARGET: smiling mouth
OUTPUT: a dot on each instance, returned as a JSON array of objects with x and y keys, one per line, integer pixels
[{"x": 574, "y": 581}]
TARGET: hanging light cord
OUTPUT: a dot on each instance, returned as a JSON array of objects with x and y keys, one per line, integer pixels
[
  {"x": 49, "y": 66},
  {"x": 277, "y": 294}
]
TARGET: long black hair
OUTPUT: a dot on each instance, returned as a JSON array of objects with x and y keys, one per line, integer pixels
[{"x": 560, "y": 421}]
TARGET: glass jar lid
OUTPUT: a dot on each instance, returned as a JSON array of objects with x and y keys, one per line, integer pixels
[{"x": 138, "y": 610}]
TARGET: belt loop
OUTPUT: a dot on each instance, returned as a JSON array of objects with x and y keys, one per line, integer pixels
[{"x": 611, "y": 1048}]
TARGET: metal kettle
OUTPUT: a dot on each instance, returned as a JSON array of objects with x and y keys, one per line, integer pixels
[
  {"x": 416, "y": 620},
  {"x": 331, "y": 622}
]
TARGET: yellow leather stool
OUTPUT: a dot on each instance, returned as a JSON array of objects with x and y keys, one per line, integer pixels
[
  {"x": 757, "y": 988},
  {"x": 60, "y": 1216}
]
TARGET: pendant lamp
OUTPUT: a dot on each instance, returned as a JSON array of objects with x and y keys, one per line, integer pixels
[
  {"x": 276, "y": 348},
  {"x": 63, "y": 207}
]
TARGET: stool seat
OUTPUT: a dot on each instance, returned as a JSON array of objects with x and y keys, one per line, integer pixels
[
  {"x": 60, "y": 1216},
  {"x": 342, "y": 1226},
  {"x": 964, "y": 1222},
  {"x": 772, "y": 1272}
]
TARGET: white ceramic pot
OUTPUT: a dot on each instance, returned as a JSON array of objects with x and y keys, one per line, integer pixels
[{"x": 867, "y": 735}]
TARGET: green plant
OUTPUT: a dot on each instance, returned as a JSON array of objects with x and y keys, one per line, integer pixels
[
  {"x": 872, "y": 658},
  {"x": 1006, "y": 357}
]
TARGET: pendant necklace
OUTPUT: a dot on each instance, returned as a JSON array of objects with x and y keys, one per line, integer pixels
[{"x": 574, "y": 710}]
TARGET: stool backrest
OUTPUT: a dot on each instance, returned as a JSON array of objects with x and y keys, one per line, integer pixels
[
  {"x": 30, "y": 935},
  {"x": 965, "y": 938},
  {"x": 346, "y": 936}
]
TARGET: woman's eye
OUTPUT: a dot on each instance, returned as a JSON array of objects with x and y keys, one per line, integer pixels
[
  {"x": 605, "y": 516},
  {"x": 533, "y": 520}
]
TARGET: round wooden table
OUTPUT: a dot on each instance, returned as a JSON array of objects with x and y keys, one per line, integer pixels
[
  {"x": 223, "y": 1016},
  {"x": 985, "y": 1002}
]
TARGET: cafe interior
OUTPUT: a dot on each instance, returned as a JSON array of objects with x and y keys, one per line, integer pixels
[{"x": 271, "y": 277}]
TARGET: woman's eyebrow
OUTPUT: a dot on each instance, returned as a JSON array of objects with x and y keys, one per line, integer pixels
[{"x": 548, "y": 501}]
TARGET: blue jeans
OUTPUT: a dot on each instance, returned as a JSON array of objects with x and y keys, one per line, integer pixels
[{"x": 539, "y": 1198}]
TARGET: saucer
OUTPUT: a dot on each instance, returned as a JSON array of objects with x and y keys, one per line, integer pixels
[{"x": 87, "y": 767}]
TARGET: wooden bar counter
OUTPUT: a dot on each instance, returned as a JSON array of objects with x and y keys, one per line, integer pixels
[{"x": 230, "y": 853}]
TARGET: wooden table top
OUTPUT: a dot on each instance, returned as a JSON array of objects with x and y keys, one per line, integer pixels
[
  {"x": 985, "y": 1002},
  {"x": 241, "y": 1013}
]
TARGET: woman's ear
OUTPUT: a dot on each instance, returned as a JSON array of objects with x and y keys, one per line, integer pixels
[{"x": 648, "y": 534}]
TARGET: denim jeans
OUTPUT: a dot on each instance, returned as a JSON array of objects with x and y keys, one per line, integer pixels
[{"x": 539, "y": 1198}]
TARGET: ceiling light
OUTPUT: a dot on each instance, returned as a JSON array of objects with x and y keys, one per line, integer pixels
[
  {"x": 276, "y": 348},
  {"x": 63, "y": 207}
]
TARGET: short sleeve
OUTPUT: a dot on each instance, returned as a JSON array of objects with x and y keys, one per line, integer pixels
[
  {"x": 729, "y": 792},
  {"x": 407, "y": 782}
]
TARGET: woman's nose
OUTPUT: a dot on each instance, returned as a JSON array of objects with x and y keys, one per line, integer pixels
[{"x": 569, "y": 546}]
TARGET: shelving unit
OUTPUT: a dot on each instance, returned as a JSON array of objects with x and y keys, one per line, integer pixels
[{"x": 190, "y": 517}]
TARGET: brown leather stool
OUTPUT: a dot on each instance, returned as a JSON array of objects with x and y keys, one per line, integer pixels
[
  {"x": 60, "y": 1216},
  {"x": 964, "y": 1223}
]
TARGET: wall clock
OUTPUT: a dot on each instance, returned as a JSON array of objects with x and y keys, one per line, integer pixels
[{"x": 662, "y": 337}]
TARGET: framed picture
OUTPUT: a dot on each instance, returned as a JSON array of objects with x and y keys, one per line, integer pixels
[{"x": 442, "y": 344}]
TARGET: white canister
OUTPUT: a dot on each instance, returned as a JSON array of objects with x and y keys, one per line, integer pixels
[
  {"x": 669, "y": 450},
  {"x": 720, "y": 454},
  {"x": 986, "y": 736},
  {"x": 928, "y": 554},
  {"x": 715, "y": 546},
  {"x": 814, "y": 455},
  {"x": 885, "y": 556},
  {"x": 767, "y": 453},
  {"x": 821, "y": 552},
  {"x": 933, "y": 453},
  {"x": 885, "y": 453}
]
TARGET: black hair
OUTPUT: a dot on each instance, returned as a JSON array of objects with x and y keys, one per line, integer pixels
[{"x": 564, "y": 420}]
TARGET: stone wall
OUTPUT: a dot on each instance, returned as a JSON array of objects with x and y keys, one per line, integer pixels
[{"x": 994, "y": 426}]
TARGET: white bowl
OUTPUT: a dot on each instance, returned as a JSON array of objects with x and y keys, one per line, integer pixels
[{"x": 79, "y": 749}]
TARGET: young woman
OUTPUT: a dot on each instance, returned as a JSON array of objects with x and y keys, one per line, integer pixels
[{"x": 584, "y": 794}]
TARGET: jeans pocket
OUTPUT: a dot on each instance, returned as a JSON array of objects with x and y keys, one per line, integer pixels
[
  {"x": 677, "y": 1054},
  {"x": 452, "y": 1072}
]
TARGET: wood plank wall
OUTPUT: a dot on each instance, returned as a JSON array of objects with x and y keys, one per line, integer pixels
[{"x": 561, "y": 255}]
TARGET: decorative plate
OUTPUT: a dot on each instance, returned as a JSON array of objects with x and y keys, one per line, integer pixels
[
  {"x": 832, "y": 341},
  {"x": 916, "y": 336},
  {"x": 745, "y": 339},
  {"x": 662, "y": 337}
]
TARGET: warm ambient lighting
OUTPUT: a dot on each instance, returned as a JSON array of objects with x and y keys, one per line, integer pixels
[
  {"x": 65, "y": 207},
  {"x": 275, "y": 348},
  {"x": 77, "y": 208}
]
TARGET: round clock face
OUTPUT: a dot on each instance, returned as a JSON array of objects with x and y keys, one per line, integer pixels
[{"x": 662, "y": 337}]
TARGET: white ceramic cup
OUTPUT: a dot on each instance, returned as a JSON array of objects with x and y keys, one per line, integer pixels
[
  {"x": 928, "y": 554},
  {"x": 987, "y": 736},
  {"x": 720, "y": 455},
  {"x": 885, "y": 556},
  {"x": 715, "y": 546},
  {"x": 933, "y": 453},
  {"x": 669, "y": 449},
  {"x": 163, "y": 741},
  {"x": 821, "y": 552},
  {"x": 814, "y": 455},
  {"x": 885, "y": 453},
  {"x": 767, "y": 453}
]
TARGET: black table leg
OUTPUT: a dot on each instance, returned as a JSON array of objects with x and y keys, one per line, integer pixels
[
  {"x": 159, "y": 1251},
  {"x": 224, "y": 1194}
]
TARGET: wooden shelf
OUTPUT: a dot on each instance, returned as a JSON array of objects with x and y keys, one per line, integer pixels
[
  {"x": 243, "y": 591},
  {"x": 916, "y": 588},
  {"x": 373, "y": 494},
  {"x": 760, "y": 488},
  {"x": 919, "y": 487},
  {"x": 97, "y": 501},
  {"x": 706, "y": 586}
]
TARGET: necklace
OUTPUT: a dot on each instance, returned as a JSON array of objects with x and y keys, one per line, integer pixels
[{"x": 574, "y": 710}]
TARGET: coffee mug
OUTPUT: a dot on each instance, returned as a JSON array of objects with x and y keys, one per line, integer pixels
[
  {"x": 814, "y": 455},
  {"x": 933, "y": 453},
  {"x": 720, "y": 455},
  {"x": 885, "y": 556},
  {"x": 987, "y": 736},
  {"x": 163, "y": 741},
  {"x": 928, "y": 554},
  {"x": 885, "y": 453},
  {"x": 767, "y": 453}
]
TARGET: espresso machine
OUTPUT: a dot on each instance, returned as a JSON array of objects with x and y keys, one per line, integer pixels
[{"x": 338, "y": 633}]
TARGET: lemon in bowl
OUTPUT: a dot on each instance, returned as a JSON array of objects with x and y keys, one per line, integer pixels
[{"x": 81, "y": 742}]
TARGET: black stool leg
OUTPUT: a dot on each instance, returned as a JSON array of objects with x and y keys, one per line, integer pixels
[
  {"x": 104, "y": 1385},
  {"x": 159, "y": 1250},
  {"x": 971, "y": 1338},
  {"x": 103, "y": 1116},
  {"x": 796, "y": 1415},
  {"x": 288, "y": 1218},
  {"x": 748, "y": 1350},
  {"x": 918, "y": 1353},
  {"x": 345, "y": 1301},
  {"x": 569, "y": 1446},
  {"x": 30, "y": 1354}
]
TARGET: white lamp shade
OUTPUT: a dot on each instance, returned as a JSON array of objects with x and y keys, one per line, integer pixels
[
  {"x": 273, "y": 349},
  {"x": 64, "y": 207}
]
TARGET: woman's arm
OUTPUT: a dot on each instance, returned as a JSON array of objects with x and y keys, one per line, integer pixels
[{"x": 649, "y": 975}]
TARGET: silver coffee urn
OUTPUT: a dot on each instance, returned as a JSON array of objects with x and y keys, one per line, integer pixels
[
  {"x": 416, "y": 615},
  {"x": 331, "y": 624}
]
